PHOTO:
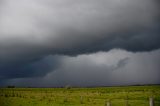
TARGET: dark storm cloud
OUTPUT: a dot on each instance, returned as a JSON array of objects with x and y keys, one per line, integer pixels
[
  {"x": 30, "y": 30},
  {"x": 143, "y": 41},
  {"x": 116, "y": 67},
  {"x": 34, "y": 68},
  {"x": 75, "y": 27}
]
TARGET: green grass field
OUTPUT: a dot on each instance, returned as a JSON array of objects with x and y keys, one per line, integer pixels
[{"x": 118, "y": 96}]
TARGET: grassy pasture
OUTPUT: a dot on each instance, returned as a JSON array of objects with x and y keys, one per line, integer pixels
[{"x": 118, "y": 96}]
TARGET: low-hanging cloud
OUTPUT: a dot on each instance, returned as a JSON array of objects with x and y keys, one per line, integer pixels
[{"x": 116, "y": 67}]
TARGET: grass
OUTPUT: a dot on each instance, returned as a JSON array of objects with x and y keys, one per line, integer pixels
[{"x": 118, "y": 96}]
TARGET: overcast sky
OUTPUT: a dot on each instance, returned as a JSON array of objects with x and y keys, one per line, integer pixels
[{"x": 50, "y": 43}]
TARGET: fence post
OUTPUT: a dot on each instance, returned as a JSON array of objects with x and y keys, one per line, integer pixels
[
  {"x": 126, "y": 102},
  {"x": 81, "y": 100},
  {"x": 107, "y": 103},
  {"x": 151, "y": 101}
]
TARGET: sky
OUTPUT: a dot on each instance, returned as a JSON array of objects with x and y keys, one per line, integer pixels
[{"x": 54, "y": 43}]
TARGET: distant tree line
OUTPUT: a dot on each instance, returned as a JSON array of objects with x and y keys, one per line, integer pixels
[{"x": 10, "y": 86}]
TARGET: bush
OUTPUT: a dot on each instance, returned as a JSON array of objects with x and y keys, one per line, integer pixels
[
  {"x": 10, "y": 86},
  {"x": 68, "y": 87}
]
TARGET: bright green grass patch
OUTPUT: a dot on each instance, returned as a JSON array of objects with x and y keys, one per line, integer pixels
[{"x": 118, "y": 96}]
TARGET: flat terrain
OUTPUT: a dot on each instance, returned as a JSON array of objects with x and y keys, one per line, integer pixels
[{"x": 118, "y": 96}]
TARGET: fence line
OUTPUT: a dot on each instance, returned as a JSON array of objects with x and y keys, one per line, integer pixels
[{"x": 151, "y": 102}]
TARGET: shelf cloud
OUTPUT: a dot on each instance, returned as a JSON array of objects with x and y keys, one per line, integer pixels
[{"x": 116, "y": 67}]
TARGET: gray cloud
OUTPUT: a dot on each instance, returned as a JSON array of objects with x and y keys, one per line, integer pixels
[
  {"x": 116, "y": 67},
  {"x": 31, "y": 30},
  {"x": 54, "y": 26}
]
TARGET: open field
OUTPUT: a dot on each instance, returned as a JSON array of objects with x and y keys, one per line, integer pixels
[{"x": 118, "y": 96}]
